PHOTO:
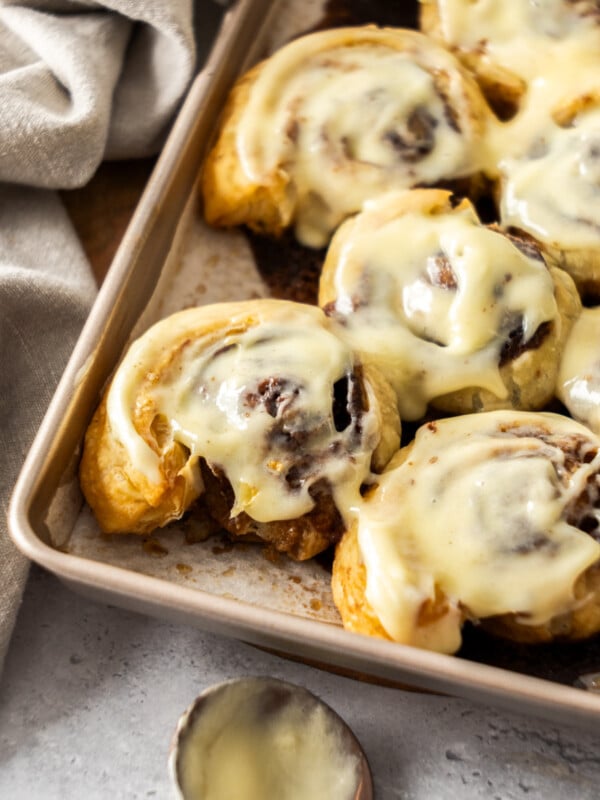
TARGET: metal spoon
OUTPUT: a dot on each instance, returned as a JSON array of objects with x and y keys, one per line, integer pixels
[{"x": 261, "y": 737}]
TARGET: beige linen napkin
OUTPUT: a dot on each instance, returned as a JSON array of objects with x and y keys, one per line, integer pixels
[{"x": 79, "y": 82}]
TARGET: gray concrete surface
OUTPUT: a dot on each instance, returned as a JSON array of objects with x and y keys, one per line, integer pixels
[{"x": 91, "y": 694}]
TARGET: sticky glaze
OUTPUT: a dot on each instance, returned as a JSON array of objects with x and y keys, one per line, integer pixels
[
  {"x": 251, "y": 389},
  {"x": 348, "y": 117},
  {"x": 480, "y": 511},
  {"x": 431, "y": 298},
  {"x": 551, "y": 190}
]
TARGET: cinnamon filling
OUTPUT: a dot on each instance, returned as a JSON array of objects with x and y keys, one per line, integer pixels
[
  {"x": 417, "y": 140},
  {"x": 515, "y": 344},
  {"x": 300, "y": 538},
  {"x": 584, "y": 511}
]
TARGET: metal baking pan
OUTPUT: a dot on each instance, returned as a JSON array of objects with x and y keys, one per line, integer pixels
[{"x": 169, "y": 259}]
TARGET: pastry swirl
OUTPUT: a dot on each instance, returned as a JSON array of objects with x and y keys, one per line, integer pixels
[
  {"x": 492, "y": 518},
  {"x": 455, "y": 314},
  {"x": 334, "y": 118},
  {"x": 257, "y": 403},
  {"x": 578, "y": 380},
  {"x": 552, "y": 192}
]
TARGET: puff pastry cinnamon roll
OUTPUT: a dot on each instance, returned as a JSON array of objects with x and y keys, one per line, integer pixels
[
  {"x": 578, "y": 382},
  {"x": 492, "y": 518},
  {"x": 255, "y": 405},
  {"x": 519, "y": 49},
  {"x": 552, "y": 192},
  {"x": 456, "y": 314},
  {"x": 336, "y": 117}
]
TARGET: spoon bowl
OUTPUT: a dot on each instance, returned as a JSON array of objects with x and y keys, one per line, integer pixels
[{"x": 265, "y": 738}]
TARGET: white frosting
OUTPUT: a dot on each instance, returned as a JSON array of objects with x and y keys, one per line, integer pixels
[
  {"x": 429, "y": 339},
  {"x": 553, "y": 190},
  {"x": 347, "y": 119},
  {"x": 578, "y": 383},
  {"x": 478, "y": 511},
  {"x": 510, "y": 28},
  {"x": 250, "y": 389},
  {"x": 238, "y": 747},
  {"x": 549, "y": 173}
]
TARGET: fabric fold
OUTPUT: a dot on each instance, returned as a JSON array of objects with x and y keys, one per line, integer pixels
[
  {"x": 79, "y": 82},
  {"x": 46, "y": 289},
  {"x": 87, "y": 82}
]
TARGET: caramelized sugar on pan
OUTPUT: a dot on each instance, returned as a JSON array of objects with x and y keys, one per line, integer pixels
[
  {"x": 363, "y": 12},
  {"x": 290, "y": 270}
]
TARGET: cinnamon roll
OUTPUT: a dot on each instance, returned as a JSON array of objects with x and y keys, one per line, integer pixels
[
  {"x": 551, "y": 191},
  {"x": 456, "y": 314},
  {"x": 578, "y": 382},
  {"x": 492, "y": 518},
  {"x": 257, "y": 407},
  {"x": 519, "y": 51},
  {"x": 334, "y": 118}
]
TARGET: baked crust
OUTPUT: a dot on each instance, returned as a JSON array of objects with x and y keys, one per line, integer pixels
[
  {"x": 349, "y": 585},
  {"x": 230, "y": 197},
  {"x": 122, "y": 498},
  {"x": 581, "y": 263}
]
